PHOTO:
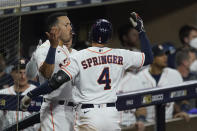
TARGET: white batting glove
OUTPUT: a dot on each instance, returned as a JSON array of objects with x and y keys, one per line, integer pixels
[
  {"x": 137, "y": 22},
  {"x": 25, "y": 102}
]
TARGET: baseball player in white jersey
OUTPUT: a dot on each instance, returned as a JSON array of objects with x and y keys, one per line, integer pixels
[
  {"x": 98, "y": 70},
  {"x": 20, "y": 87},
  {"x": 56, "y": 112},
  {"x": 130, "y": 82},
  {"x": 158, "y": 76}
]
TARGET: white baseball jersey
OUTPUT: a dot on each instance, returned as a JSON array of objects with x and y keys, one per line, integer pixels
[
  {"x": 130, "y": 82},
  {"x": 168, "y": 77},
  {"x": 60, "y": 58},
  {"x": 99, "y": 71},
  {"x": 10, "y": 117},
  {"x": 54, "y": 116}
]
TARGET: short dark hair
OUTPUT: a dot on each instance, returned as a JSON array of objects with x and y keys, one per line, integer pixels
[
  {"x": 181, "y": 56},
  {"x": 52, "y": 19},
  {"x": 184, "y": 32},
  {"x": 124, "y": 30}
]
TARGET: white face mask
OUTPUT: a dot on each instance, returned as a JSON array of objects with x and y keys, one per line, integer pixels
[
  {"x": 193, "y": 43},
  {"x": 193, "y": 66}
]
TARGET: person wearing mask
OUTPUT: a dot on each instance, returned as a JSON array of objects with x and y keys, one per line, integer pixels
[{"x": 186, "y": 34}]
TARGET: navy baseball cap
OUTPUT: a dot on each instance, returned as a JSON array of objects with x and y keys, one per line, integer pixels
[
  {"x": 20, "y": 64},
  {"x": 158, "y": 50}
]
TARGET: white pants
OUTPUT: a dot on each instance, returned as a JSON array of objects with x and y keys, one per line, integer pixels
[
  {"x": 97, "y": 119},
  {"x": 55, "y": 117}
]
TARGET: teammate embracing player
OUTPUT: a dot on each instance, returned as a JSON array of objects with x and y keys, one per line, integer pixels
[
  {"x": 98, "y": 70},
  {"x": 56, "y": 112}
]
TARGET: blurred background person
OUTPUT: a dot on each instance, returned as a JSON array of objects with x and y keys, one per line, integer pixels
[
  {"x": 20, "y": 87},
  {"x": 184, "y": 59},
  {"x": 186, "y": 34},
  {"x": 133, "y": 118},
  {"x": 6, "y": 80},
  {"x": 171, "y": 51},
  {"x": 129, "y": 37},
  {"x": 158, "y": 75},
  {"x": 193, "y": 66}
]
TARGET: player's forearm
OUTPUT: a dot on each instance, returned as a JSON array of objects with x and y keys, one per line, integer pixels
[
  {"x": 46, "y": 70},
  {"x": 41, "y": 90},
  {"x": 146, "y": 48},
  {"x": 54, "y": 83},
  {"x": 48, "y": 66}
]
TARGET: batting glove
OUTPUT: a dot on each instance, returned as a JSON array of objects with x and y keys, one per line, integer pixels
[
  {"x": 137, "y": 22},
  {"x": 25, "y": 102}
]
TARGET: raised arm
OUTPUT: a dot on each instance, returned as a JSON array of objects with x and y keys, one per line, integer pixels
[
  {"x": 137, "y": 22},
  {"x": 47, "y": 67}
]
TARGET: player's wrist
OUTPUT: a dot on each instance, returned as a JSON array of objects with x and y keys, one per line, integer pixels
[
  {"x": 29, "y": 94},
  {"x": 54, "y": 46},
  {"x": 140, "y": 27},
  {"x": 141, "y": 118},
  {"x": 50, "y": 59}
]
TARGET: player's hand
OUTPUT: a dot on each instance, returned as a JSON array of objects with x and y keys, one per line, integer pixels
[
  {"x": 140, "y": 126},
  {"x": 183, "y": 115},
  {"x": 137, "y": 22},
  {"x": 54, "y": 36},
  {"x": 25, "y": 102}
]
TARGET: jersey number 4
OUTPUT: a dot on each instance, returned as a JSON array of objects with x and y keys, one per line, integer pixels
[{"x": 104, "y": 78}]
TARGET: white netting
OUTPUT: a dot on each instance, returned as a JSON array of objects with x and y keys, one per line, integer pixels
[
  {"x": 9, "y": 53},
  {"x": 11, "y": 80}
]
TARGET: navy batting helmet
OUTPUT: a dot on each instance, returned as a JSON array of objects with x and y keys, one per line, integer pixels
[{"x": 101, "y": 31}]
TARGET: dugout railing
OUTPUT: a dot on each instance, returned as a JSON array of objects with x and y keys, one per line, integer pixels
[
  {"x": 19, "y": 7},
  {"x": 153, "y": 96}
]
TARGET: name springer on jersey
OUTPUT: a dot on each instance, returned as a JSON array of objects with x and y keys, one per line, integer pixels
[{"x": 105, "y": 59}]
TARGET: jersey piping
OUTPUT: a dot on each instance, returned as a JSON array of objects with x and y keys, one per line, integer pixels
[{"x": 99, "y": 52}]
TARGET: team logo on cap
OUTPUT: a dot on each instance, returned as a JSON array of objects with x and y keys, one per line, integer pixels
[
  {"x": 160, "y": 47},
  {"x": 22, "y": 61}
]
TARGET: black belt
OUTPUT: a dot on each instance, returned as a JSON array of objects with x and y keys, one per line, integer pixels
[
  {"x": 71, "y": 104},
  {"x": 83, "y": 106},
  {"x": 61, "y": 102}
]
